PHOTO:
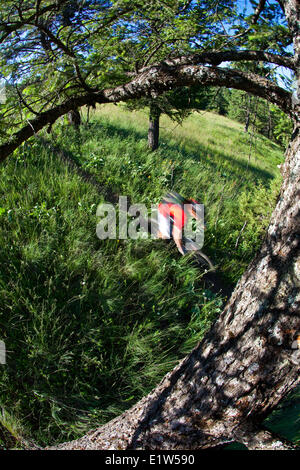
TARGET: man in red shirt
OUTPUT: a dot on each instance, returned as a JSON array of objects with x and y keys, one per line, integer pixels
[{"x": 173, "y": 214}]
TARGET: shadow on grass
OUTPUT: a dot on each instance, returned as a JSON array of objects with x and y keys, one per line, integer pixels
[{"x": 198, "y": 153}]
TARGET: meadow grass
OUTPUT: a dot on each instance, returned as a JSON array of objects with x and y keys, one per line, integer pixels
[
  {"x": 92, "y": 325},
  {"x": 207, "y": 159}
]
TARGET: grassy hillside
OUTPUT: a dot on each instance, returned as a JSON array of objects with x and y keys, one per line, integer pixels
[
  {"x": 209, "y": 158},
  {"x": 91, "y": 326}
]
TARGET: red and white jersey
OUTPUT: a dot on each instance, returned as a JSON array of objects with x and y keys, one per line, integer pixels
[{"x": 175, "y": 211}]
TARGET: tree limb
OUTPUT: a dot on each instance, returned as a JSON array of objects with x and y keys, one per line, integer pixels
[
  {"x": 223, "y": 390},
  {"x": 260, "y": 7},
  {"x": 13, "y": 27},
  {"x": 216, "y": 58},
  {"x": 155, "y": 81},
  {"x": 263, "y": 439}
]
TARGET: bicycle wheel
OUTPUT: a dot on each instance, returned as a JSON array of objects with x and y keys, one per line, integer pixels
[{"x": 200, "y": 257}]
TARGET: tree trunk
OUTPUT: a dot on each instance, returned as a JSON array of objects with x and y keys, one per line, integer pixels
[
  {"x": 156, "y": 80},
  {"x": 74, "y": 118},
  {"x": 153, "y": 130},
  {"x": 248, "y": 114},
  {"x": 270, "y": 123},
  {"x": 243, "y": 367},
  {"x": 246, "y": 364}
]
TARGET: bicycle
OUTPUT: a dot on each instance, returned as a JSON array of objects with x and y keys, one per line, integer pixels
[{"x": 189, "y": 246}]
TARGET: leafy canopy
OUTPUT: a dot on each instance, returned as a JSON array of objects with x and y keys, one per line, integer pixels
[{"x": 51, "y": 50}]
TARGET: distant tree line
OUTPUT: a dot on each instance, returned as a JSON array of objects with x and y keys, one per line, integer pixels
[
  {"x": 58, "y": 59},
  {"x": 256, "y": 114}
]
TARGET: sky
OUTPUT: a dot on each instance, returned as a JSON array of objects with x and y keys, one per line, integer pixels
[{"x": 246, "y": 6}]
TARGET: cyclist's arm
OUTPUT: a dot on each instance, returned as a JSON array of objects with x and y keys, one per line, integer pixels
[{"x": 177, "y": 236}]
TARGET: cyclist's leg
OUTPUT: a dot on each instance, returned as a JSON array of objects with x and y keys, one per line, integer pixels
[{"x": 163, "y": 226}]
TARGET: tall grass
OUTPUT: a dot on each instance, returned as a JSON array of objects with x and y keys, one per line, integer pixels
[
  {"x": 207, "y": 159},
  {"x": 92, "y": 325}
]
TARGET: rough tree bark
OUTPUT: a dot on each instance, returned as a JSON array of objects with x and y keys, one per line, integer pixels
[
  {"x": 244, "y": 366},
  {"x": 223, "y": 390}
]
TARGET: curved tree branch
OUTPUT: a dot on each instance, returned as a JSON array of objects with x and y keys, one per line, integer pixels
[
  {"x": 14, "y": 26},
  {"x": 260, "y": 7},
  {"x": 153, "y": 82},
  {"x": 263, "y": 439},
  {"x": 216, "y": 58},
  {"x": 225, "y": 387}
]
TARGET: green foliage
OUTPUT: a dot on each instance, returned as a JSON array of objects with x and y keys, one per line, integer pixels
[
  {"x": 258, "y": 116},
  {"x": 71, "y": 47},
  {"x": 286, "y": 417},
  {"x": 283, "y": 126},
  {"x": 179, "y": 103},
  {"x": 91, "y": 326}
]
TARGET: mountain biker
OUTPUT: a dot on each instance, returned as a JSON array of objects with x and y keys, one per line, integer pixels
[{"x": 173, "y": 214}]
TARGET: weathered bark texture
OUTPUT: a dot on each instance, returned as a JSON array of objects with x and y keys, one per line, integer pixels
[{"x": 244, "y": 366}]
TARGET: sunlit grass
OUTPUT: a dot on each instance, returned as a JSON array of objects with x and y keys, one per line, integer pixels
[{"x": 92, "y": 325}]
